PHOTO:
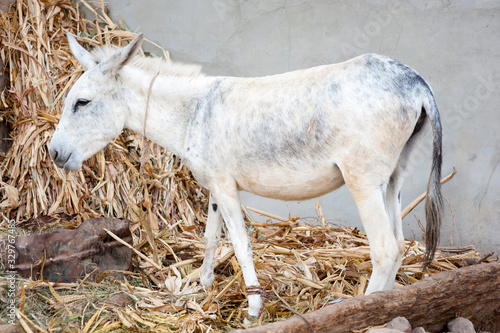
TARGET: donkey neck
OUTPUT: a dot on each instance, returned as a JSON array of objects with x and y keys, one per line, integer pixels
[{"x": 165, "y": 117}]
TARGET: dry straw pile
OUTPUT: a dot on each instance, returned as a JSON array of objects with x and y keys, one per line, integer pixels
[{"x": 301, "y": 266}]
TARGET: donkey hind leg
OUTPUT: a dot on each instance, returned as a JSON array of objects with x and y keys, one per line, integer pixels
[
  {"x": 393, "y": 209},
  {"x": 393, "y": 206},
  {"x": 230, "y": 207},
  {"x": 383, "y": 223},
  {"x": 212, "y": 237},
  {"x": 384, "y": 250}
]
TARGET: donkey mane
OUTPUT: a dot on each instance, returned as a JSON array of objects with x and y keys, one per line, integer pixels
[{"x": 151, "y": 64}]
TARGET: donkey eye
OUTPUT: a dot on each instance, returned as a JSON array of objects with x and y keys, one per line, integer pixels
[{"x": 79, "y": 103}]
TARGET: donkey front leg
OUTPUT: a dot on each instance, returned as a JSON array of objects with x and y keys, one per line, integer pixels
[
  {"x": 230, "y": 207},
  {"x": 212, "y": 237}
]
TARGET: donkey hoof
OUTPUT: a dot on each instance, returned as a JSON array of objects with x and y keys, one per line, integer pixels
[
  {"x": 250, "y": 320},
  {"x": 207, "y": 281}
]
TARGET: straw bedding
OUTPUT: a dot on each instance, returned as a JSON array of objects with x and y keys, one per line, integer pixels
[{"x": 302, "y": 266}]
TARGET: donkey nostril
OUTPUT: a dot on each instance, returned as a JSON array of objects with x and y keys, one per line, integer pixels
[{"x": 54, "y": 154}]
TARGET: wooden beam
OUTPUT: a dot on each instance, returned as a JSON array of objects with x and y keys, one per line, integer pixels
[
  {"x": 471, "y": 292},
  {"x": 421, "y": 197}
]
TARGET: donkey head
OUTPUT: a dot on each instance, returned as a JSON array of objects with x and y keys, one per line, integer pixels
[{"x": 94, "y": 111}]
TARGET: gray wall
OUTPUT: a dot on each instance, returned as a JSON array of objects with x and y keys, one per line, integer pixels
[{"x": 454, "y": 45}]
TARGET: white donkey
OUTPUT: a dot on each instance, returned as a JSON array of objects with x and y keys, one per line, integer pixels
[{"x": 292, "y": 136}]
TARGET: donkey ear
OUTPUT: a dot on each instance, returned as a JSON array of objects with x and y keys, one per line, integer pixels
[
  {"x": 84, "y": 57},
  {"x": 123, "y": 56}
]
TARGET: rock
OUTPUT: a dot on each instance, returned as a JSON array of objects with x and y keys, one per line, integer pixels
[
  {"x": 418, "y": 330},
  {"x": 383, "y": 330},
  {"x": 461, "y": 325},
  {"x": 4, "y": 137},
  {"x": 5, "y": 5},
  {"x": 4, "y": 82},
  {"x": 397, "y": 325},
  {"x": 119, "y": 300},
  {"x": 66, "y": 255},
  {"x": 400, "y": 323},
  {"x": 8, "y": 328}
]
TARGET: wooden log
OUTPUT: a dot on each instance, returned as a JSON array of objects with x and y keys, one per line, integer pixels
[
  {"x": 472, "y": 292},
  {"x": 421, "y": 197}
]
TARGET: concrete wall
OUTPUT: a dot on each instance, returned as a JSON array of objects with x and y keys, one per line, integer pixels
[{"x": 453, "y": 44}]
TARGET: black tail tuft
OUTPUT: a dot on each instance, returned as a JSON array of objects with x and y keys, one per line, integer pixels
[{"x": 434, "y": 198}]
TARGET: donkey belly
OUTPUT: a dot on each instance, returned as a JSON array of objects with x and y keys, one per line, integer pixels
[{"x": 285, "y": 184}]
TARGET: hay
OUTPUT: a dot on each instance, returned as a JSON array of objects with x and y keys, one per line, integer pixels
[
  {"x": 42, "y": 70},
  {"x": 301, "y": 266}
]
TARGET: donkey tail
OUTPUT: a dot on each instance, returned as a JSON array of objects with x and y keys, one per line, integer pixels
[{"x": 434, "y": 199}]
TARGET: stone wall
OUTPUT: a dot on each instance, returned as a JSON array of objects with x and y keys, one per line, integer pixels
[{"x": 454, "y": 45}]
